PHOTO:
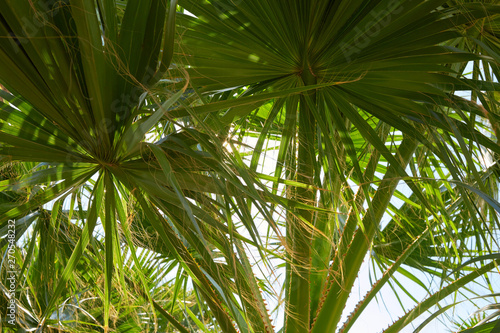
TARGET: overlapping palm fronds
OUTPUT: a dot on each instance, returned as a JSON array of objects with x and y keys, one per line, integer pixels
[{"x": 136, "y": 139}]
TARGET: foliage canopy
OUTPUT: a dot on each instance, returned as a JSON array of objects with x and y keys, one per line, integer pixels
[{"x": 171, "y": 165}]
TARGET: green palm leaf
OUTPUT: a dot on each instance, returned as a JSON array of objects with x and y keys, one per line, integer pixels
[{"x": 144, "y": 142}]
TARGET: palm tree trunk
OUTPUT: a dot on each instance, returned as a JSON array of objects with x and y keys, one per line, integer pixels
[
  {"x": 299, "y": 234},
  {"x": 349, "y": 264}
]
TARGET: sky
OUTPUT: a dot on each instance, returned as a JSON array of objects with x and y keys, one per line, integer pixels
[{"x": 379, "y": 314}]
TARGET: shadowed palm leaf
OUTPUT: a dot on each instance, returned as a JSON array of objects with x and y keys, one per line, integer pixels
[{"x": 376, "y": 155}]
